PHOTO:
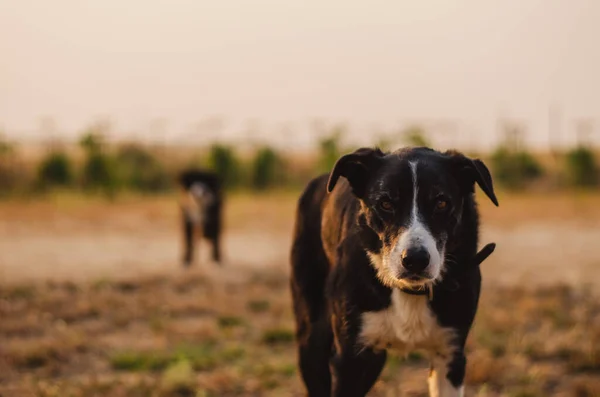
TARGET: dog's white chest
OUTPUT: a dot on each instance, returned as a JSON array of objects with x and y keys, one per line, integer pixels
[{"x": 407, "y": 324}]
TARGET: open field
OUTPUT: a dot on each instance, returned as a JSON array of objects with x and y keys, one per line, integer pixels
[
  {"x": 541, "y": 237},
  {"x": 214, "y": 335},
  {"x": 93, "y": 302}
]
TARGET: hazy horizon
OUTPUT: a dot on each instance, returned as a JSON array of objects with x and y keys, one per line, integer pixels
[{"x": 375, "y": 66}]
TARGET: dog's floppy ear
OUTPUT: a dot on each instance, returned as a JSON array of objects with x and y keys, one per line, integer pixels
[
  {"x": 355, "y": 167},
  {"x": 474, "y": 171}
]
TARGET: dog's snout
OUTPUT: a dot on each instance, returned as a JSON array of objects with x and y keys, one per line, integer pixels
[{"x": 415, "y": 259}]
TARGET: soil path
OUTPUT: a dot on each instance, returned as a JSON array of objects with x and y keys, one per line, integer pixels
[{"x": 538, "y": 241}]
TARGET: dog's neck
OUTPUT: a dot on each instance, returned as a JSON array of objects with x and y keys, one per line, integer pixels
[{"x": 426, "y": 290}]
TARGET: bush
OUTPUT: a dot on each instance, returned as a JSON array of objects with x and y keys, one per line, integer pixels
[
  {"x": 416, "y": 136},
  {"x": 100, "y": 173},
  {"x": 329, "y": 151},
  {"x": 55, "y": 170},
  {"x": 92, "y": 142},
  {"x": 9, "y": 178},
  {"x": 267, "y": 169},
  {"x": 581, "y": 167},
  {"x": 384, "y": 143},
  {"x": 514, "y": 168},
  {"x": 6, "y": 148},
  {"x": 223, "y": 161},
  {"x": 138, "y": 169}
]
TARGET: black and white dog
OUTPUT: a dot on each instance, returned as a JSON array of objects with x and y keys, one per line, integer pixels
[
  {"x": 201, "y": 203},
  {"x": 388, "y": 260}
]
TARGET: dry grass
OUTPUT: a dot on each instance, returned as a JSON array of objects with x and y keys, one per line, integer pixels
[
  {"x": 580, "y": 208},
  {"x": 211, "y": 335},
  {"x": 278, "y": 209},
  {"x": 149, "y": 330}
]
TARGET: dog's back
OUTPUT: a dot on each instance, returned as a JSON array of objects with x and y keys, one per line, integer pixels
[
  {"x": 309, "y": 262},
  {"x": 310, "y": 268}
]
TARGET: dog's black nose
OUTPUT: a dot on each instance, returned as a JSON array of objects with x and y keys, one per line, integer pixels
[{"x": 415, "y": 259}]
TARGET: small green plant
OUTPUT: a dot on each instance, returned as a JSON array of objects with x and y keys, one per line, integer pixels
[
  {"x": 178, "y": 378},
  {"x": 203, "y": 356},
  {"x": 55, "y": 170},
  {"x": 277, "y": 336},
  {"x": 232, "y": 354},
  {"x": 230, "y": 321},
  {"x": 581, "y": 167},
  {"x": 287, "y": 370},
  {"x": 140, "y": 361},
  {"x": 223, "y": 160},
  {"x": 259, "y": 306}
]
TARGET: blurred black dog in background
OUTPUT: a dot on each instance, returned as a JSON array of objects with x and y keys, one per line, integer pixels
[{"x": 201, "y": 203}]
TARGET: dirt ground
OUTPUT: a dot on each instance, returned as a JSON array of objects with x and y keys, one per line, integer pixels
[
  {"x": 94, "y": 302},
  {"x": 541, "y": 239}
]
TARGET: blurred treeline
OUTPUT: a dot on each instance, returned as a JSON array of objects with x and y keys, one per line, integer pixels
[{"x": 97, "y": 167}]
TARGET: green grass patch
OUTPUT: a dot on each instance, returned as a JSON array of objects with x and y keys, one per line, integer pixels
[
  {"x": 140, "y": 361},
  {"x": 277, "y": 336},
  {"x": 495, "y": 342},
  {"x": 288, "y": 370},
  {"x": 201, "y": 357},
  {"x": 178, "y": 379},
  {"x": 232, "y": 354},
  {"x": 22, "y": 292},
  {"x": 230, "y": 321},
  {"x": 259, "y": 306}
]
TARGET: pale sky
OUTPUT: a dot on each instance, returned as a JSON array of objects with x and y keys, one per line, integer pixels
[{"x": 367, "y": 63}]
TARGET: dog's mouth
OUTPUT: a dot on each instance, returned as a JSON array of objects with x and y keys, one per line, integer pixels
[{"x": 415, "y": 280}]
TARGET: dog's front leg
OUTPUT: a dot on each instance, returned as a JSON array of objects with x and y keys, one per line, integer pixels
[
  {"x": 355, "y": 370},
  {"x": 447, "y": 376},
  {"x": 189, "y": 226}
]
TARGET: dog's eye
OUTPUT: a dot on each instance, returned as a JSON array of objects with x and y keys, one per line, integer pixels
[
  {"x": 441, "y": 204},
  {"x": 386, "y": 205}
]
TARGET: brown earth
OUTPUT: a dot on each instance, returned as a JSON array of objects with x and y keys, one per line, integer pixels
[
  {"x": 540, "y": 239},
  {"x": 93, "y": 302}
]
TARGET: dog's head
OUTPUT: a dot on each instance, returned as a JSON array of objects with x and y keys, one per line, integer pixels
[
  {"x": 412, "y": 200},
  {"x": 201, "y": 193}
]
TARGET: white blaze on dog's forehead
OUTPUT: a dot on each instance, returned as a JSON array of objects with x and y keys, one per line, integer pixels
[
  {"x": 201, "y": 192},
  {"x": 417, "y": 234},
  {"x": 414, "y": 210},
  {"x": 198, "y": 189}
]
